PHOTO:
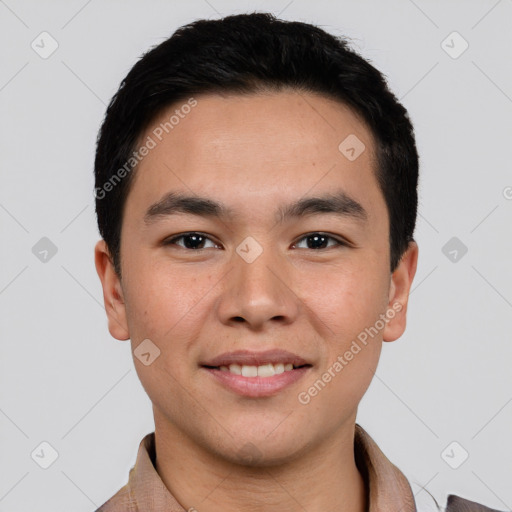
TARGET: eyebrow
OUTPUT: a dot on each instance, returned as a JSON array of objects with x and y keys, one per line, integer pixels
[{"x": 338, "y": 203}]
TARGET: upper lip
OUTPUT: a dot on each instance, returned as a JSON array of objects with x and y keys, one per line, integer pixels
[{"x": 249, "y": 358}]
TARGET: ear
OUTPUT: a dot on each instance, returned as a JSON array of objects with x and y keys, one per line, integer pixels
[
  {"x": 112, "y": 292},
  {"x": 401, "y": 281}
]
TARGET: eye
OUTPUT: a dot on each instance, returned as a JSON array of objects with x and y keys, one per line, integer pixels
[
  {"x": 195, "y": 241},
  {"x": 192, "y": 240},
  {"x": 318, "y": 240}
]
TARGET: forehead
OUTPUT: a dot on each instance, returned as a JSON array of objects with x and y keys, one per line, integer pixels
[{"x": 246, "y": 148}]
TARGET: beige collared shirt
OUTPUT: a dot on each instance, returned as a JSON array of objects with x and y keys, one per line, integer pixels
[{"x": 388, "y": 488}]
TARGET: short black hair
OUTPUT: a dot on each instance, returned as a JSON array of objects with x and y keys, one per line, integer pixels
[{"x": 245, "y": 54}]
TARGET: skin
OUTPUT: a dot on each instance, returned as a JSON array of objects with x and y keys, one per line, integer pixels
[{"x": 253, "y": 153}]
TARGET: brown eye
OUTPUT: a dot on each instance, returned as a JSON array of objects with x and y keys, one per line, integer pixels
[
  {"x": 192, "y": 240},
  {"x": 318, "y": 241}
]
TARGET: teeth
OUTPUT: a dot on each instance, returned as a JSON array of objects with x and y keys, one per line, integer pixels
[
  {"x": 279, "y": 368},
  {"x": 235, "y": 368},
  {"x": 265, "y": 370},
  {"x": 249, "y": 371}
]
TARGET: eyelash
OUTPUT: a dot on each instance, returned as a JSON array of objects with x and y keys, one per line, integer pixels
[{"x": 339, "y": 242}]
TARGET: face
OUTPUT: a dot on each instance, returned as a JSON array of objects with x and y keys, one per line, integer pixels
[{"x": 256, "y": 276}]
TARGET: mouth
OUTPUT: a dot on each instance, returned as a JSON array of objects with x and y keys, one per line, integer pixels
[
  {"x": 264, "y": 370},
  {"x": 256, "y": 374}
]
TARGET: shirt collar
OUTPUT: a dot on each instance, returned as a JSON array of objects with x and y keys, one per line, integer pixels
[{"x": 387, "y": 488}]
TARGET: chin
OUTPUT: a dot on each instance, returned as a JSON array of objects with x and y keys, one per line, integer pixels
[{"x": 261, "y": 451}]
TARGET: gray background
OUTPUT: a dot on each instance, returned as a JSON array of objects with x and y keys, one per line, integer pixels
[{"x": 66, "y": 381}]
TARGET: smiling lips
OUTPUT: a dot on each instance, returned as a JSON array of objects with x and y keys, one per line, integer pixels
[
  {"x": 264, "y": 370},
  {"x": 257, "y": 364},
  {"x": 257, "y": 374}
]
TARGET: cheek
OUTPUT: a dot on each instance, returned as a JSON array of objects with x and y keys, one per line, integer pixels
[
  {"x": 161, "y": 299},
  {"x": 167, "y": 306},
  {"x": 346, "y": 300},
  {"x": 160, "y": 308},
  {"x": 346, "y": 305}
]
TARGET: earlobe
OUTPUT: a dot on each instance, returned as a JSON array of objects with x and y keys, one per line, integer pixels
[
  {"x": 399, "y": 289},
  {"x": 112, "y": 292}
]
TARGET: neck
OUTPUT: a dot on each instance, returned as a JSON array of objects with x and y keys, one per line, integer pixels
[{"x": 324, "y": 478}]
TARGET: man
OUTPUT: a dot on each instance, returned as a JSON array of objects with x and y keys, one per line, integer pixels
[{"x": 256, "y": 196}]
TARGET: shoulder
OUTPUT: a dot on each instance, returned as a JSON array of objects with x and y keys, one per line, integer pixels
[
  {"x": 122, "y": 501},
  {"x": 458, "y": 504},
  {"x": 426, "y": 502}
]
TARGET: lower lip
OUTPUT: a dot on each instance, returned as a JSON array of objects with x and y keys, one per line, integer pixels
[{"x": 257, "y": 386}]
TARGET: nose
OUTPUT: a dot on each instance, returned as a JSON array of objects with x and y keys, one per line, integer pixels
[{"x": 259, "y": 292}]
